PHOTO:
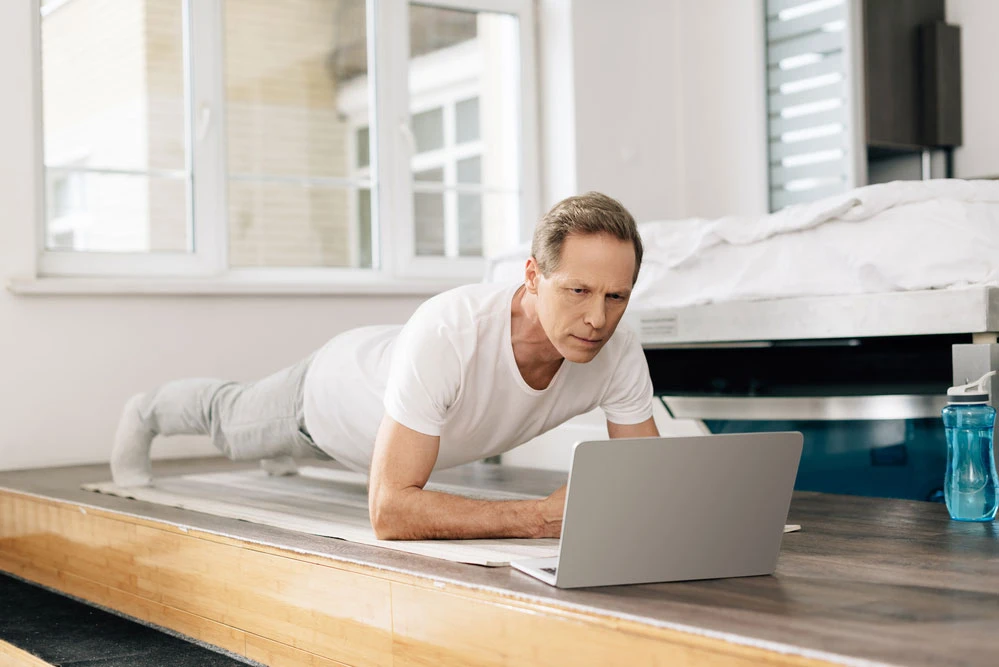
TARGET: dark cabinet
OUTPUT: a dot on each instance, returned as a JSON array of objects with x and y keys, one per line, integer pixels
[{"x": 912, "y": 75}]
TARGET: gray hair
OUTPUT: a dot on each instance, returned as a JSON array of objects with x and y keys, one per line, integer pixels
[{"x": 590, "y": 213}]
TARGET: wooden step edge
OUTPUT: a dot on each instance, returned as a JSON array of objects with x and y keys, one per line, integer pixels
[{"x": 11, "y": 656}]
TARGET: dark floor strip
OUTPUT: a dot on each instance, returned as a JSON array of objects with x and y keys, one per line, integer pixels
[{"x": 64, "y": 631}]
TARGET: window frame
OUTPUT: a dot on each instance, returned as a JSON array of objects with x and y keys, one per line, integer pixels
[{"x": 393, "y": 252}]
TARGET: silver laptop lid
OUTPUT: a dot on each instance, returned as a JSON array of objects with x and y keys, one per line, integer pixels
[{"x": 671, "y": 509}]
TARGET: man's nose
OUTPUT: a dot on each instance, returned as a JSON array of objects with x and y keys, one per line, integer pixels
[{"x": 596, "y": 317}]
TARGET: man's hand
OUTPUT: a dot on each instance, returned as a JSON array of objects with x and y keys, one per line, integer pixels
[{"x": 552, "y": 509}]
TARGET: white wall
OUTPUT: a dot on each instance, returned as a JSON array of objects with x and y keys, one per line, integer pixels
[
  {"x": 626, "y": 84},
  {"x": 979, "y": 21},
  {"x": 668, "y": 105},
  {"x": 68, "y": 363},
  {"x": 556, "y": 91},
  {"x": 723, "y": 107}
]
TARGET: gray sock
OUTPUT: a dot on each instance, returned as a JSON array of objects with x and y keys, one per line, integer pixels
[{"x": 130, "y": 457}]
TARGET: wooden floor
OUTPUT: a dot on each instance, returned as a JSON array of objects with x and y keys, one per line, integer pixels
[
  {"x": 865, "y": 582},
  {"x": 11, "y": 656}
]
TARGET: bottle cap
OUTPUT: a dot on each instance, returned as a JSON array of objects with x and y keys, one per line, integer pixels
[{"x": 973, "y": 392}]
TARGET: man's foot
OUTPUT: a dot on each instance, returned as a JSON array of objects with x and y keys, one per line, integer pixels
[
  {"x": 280, "y": 466},
  {"x": 130, "y": 457}
]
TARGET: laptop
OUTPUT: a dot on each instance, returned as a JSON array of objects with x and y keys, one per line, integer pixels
[{"x": 648, "y": 510}]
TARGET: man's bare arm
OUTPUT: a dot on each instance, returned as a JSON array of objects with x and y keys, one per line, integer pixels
[
  {"x": 645, "y": 429},
  {"x": 402, "y": 510}
]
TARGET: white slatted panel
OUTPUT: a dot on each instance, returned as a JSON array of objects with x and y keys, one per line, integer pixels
[
  {"x": 814, "y": 42},
  {"x": 781, "y": 150},
  {"x": 782, "y": 198},
  {"x": 831, "y": 92},
  {"x": 777, "y": 29},
  {"x": 807, "y": 100},
  {"x": 830, "y": 64},
  {"x": 826, "y": 170},
  {"x": 781, "y": 127}
]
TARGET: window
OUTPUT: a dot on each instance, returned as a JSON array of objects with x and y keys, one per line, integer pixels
[
  {"x": 249, "y": 137},
  {"x": 464, "y": 138}
]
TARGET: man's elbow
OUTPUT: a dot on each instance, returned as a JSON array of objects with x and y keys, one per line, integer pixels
[{"x": 385, "y": 516}]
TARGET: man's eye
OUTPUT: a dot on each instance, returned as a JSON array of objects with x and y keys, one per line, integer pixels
[
  {"x": 577, "y": 290},
  {"x": 615, "y": 297}
]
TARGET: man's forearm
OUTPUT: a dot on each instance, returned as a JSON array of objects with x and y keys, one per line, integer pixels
[{"x": 415, "y": 514}]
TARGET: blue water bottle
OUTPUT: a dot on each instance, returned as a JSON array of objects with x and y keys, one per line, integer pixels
[{"x": 970, "y": 484}]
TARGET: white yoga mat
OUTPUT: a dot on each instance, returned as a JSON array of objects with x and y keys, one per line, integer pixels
[
  {"x": 321, "y": 501},
  {"x": 331, "y": 503}
]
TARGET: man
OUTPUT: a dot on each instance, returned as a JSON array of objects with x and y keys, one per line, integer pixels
[{"x": 475, "y": 372}]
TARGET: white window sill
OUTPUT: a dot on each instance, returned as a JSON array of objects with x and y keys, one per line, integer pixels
[{"x": 225, "y": 286}]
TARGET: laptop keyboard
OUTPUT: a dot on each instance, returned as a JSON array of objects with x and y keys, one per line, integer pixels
[{"x": 549, "y": 570}]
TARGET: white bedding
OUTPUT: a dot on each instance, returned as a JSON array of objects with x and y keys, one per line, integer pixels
[{"x": 906, "y": 235}]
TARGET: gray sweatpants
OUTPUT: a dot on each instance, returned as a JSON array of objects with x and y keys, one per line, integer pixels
[{"x": 246, "y": 420}]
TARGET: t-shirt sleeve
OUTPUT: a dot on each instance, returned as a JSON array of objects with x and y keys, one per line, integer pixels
[
  {"x": 628, "y": 399},
  {"x": 424, "y": 377}
]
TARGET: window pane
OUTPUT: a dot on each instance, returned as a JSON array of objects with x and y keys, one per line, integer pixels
[
  {"x": 483, "y": 222},
  {"x": 115, "y": 212},
  {"x": 288, "y": 70},
  {"x": 470, "y": 225},
  {"x": 428, "y": 130},
  {"x": 113, "y": 84},
  {"x": 363, "y": 147},
  {"x": 467, "y": 64},
  {"x": 364, "y": 229},
  {"x": 428, "y": 215},
  {"x": 67, "y": 195},
  {"x": 288, "y": 225},
  {"x": 470, "y": 170},
  {"x": 467, "y": 120},
  {"x": 298, "y": 137}
]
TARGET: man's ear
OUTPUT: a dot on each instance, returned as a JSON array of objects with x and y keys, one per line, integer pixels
[{"x": 532, "y": 274}]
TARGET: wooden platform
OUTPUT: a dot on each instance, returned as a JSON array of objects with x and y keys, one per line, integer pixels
[
  {"x": 15, "y": 657},
  {"x": 865, "y": 582}
]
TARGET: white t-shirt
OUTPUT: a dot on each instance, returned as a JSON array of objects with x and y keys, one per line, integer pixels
[{"x": 450, "y": 372}]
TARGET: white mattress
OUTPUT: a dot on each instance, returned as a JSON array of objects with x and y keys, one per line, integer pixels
[{"x": 894, "y": 237}]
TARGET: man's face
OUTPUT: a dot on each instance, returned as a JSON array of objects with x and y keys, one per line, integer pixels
[{"x": 582, "y": 301}]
